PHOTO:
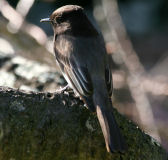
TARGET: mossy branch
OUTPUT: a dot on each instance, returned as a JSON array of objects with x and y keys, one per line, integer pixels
[{"x": 52, "y": 126}]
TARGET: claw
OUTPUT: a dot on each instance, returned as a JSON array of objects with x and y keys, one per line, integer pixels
[{"x": 61, "y": 90}]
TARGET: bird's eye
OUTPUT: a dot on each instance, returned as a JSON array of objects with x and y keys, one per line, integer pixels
[{"x": 58, "y": 20}]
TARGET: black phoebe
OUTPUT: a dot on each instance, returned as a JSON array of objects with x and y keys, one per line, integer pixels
[{"x": 80, "y": 52}]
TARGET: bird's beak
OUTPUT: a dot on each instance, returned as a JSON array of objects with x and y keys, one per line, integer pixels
[{"x": 45, "y": 20}]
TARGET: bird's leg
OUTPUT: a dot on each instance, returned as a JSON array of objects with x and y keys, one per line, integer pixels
[{"x": 66, "y": 88}]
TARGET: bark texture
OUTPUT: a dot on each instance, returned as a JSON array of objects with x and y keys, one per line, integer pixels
[{"x": 53, "y": 126}]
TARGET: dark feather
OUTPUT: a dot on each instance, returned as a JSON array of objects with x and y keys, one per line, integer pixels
[
  {"x": 108, "y": 78},
  {"x": 81, "y": 54}
]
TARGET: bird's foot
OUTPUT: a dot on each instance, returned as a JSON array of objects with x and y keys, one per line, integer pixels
[{"x": 64, "y": 89}]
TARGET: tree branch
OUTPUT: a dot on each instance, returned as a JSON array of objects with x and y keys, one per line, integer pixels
[{"x": 57, "y": 126}]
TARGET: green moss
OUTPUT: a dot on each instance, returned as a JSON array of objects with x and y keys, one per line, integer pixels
[{"x": 49, "y": 129}]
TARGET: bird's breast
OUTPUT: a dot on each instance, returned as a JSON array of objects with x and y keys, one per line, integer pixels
[{"x": 63, "y": 45}]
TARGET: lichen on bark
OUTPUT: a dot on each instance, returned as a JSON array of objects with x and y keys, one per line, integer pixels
[{"x": 45, "y": 126}]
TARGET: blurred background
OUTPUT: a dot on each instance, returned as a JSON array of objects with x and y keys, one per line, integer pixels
[{"x": 136, "y": 36}]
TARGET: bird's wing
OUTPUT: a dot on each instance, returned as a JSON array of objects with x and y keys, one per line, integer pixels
[
  {"x": 109, "y": 83},
  {"x": 77, "y": 76},
  {"x": 74, "y": 67},
  {"x": 80, "y": 78}
]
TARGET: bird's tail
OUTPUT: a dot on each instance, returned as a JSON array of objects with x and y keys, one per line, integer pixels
[{"x": 113, "y": 138}]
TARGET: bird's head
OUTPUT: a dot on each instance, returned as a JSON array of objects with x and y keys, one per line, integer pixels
[{"x": 71, "y": 19}]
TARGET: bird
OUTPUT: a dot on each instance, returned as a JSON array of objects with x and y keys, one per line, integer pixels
[{"x": 81, "y": 55}]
